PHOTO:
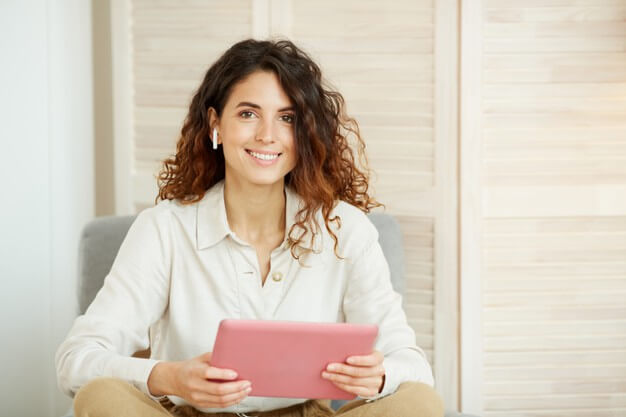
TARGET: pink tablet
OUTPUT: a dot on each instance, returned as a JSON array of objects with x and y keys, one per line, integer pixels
[{"x": 286, "y": 358}]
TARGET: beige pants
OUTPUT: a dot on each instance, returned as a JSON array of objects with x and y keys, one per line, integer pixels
[{"x": 111, "y": 397}]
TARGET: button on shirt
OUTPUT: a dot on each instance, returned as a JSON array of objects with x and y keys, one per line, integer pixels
[{"x": 180, "y": 270}]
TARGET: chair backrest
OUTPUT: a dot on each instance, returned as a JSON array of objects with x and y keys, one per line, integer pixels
[{"x": 101, "y": 239}]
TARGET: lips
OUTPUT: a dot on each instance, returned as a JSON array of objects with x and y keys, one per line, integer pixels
[
  {"x": 263, "y": 152},
  {"x": 263, "y": 155}
]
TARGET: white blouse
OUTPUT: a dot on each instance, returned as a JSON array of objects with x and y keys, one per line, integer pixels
[{"x": 180, "y": 270}]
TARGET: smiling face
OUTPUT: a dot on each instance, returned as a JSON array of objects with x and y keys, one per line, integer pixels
[{"x": 256, "y": 130}]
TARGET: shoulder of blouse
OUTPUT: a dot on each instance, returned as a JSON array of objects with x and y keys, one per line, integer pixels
[
  {"x": 168, "y": 208},
  {"x": 356, "y": 233}
]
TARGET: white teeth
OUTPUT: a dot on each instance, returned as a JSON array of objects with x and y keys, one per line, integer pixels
[{"x": 263, "y": 156}]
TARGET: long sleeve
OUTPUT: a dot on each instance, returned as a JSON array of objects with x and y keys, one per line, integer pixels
[
  {"x": 116, "y": 325},
  {"x": 370, "y": 298}
]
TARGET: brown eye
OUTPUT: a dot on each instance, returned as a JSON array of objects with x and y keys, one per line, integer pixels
[
  {"x": 245, "y": 113},
  {"x": 288, "y": 118}
]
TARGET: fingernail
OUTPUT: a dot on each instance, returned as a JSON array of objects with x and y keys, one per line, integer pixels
[
  {"x": 325, "y": 374},
  {"x": 232, "y": 374},
  {"x": 248, "y": 389},
  {"x": 332, "y": 367}
]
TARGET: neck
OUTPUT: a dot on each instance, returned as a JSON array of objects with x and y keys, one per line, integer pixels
[{"x": 255, "y": 212}]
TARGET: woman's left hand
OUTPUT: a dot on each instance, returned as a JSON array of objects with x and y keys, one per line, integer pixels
[{"x": 362, "y": 375}]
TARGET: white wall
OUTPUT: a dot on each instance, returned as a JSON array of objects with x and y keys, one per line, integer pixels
[{"x": 46, "y": 143}]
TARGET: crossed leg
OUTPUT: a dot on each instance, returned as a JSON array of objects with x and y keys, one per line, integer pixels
[
  {"x": 411, "y": 399},
  {"x": 112, "y": 397}
]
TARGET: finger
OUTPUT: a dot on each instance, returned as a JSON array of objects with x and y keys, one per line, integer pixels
[
  {"x": 200, "y": 396},
  {"x": 206, "y": 357},
  {"x": 219, "y": 373},
  {"x": 354, "y": 389},
  {"x": 373, "y": 381},
  {"x": 222, "y": 388},
  {"x": 221, "y": 401},
  {"x": 357, "y": 371},
  {"x": 372, "y": 359}
]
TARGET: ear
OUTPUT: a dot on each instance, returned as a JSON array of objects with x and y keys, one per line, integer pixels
[{"x": 214, "y": 121}]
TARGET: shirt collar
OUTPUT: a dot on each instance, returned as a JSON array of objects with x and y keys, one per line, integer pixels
[{"x": 212, "y": 223}]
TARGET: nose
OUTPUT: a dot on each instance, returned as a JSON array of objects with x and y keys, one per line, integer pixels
[{"x": 265, "y": 132}]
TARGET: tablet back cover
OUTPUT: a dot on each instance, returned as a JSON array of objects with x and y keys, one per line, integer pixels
[{"x": 286, "y": 358}]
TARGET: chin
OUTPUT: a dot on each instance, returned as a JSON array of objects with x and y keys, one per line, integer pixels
[{"x": 262, "y": 180}]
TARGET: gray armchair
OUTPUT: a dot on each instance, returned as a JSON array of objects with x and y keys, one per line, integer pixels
[{"x": 102, "y": 237}]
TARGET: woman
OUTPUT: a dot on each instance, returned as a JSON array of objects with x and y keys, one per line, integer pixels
[{"x": 260, "y": 215}]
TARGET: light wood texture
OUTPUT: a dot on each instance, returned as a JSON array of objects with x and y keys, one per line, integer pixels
[
  {"x": 551, "y": 175},
  {"x": 122, "y": 79},
  {"x": 446, "y": 190},
  {"x": 471, "y": 209}
]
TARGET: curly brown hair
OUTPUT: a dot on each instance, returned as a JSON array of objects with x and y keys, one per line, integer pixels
[{"x": 326, "y": 169}]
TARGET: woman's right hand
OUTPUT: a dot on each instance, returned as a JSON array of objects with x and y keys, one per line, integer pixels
[{"x": 189, "y": 380}]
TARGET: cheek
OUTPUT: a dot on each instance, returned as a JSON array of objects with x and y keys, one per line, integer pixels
[
  {"x": 240, "y": 133},
  {"x": 228, "y": 153},
  {"x": 290, "y": 140},
  {"x": 235, "y": 139},
  {"x": 291, "y": 149}
]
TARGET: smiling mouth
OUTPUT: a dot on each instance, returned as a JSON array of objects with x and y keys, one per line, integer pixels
[{"x": 264, "y": 156}]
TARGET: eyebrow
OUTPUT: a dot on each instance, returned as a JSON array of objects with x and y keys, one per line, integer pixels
[{"x": 256, "y": 106}]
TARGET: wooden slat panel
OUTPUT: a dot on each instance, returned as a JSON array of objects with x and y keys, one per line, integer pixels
[
  {"x": 549, "y": 283},
  {"x": 554, "y": 124},
  {"x": 583, "y": 199},
  {"x": 418, "y": 300},
  {"x": 556, "y": 14},
  {"x": 543, "y": 358},
  {"x": 569, "y": 412},
  {"x": 489, "y": 4},
  {"x": 543, "y": 313},
  {"x": 544, "y": 317},
  {"x": 571, "y": 371},
  {"x": 604, "y": 385},
  {"x": 554, "y": 44},
  {"x": 555, "y": 29},
  {"x": 581, "y": 90}
]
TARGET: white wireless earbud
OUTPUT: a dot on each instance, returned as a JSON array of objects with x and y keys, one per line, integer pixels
[{"x": 214, "y": 138}]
